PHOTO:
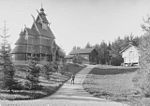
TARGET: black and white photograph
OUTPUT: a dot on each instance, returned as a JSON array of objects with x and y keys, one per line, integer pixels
[{"x": 74, "y": 52}]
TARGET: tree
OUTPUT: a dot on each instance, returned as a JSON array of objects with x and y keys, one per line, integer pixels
[
  {"x": 33, "y": 74},
  {"x": 103, "y": 53},
  {"x": 7, "y": 65},
  {"x": 88, "y": 45},
  {"x": 77, "y": 59},
  {"x": 116, "y": 58},
  {"x": 144, "y": 46},
  {"x": 76, "y": 48}
]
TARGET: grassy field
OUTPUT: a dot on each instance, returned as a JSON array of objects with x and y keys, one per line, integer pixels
[
  {"x": 113, "y": 83},
  {"x": 48, "y": 86}
]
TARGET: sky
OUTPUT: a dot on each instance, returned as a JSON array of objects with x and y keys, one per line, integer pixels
[{"x": 77, "y": 22}]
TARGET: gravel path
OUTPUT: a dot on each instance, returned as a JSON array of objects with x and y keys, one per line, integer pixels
[{"x": 67, "y": 95}]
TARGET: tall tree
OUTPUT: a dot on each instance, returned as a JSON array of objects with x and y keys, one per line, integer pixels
[
  {"x": 88, "y": 45},
  {"x": 7, "y": 65},
  {"x": 103, "y": 53}
]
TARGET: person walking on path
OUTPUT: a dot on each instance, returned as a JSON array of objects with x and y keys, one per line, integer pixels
[{"x": 72, "y": 78}]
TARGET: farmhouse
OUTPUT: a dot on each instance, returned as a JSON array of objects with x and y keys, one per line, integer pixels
[
  {"x": 130, "y": 55},
  {"x": 37, "y": 41},
  {"x": 88, "y": 55}
]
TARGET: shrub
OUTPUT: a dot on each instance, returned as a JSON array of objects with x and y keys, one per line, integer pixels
[
  {"x": 77, "y": 59},
  {"x": 49, "y": 68},
  {"x": 18, "y": 86},
  {"x": 33, "y": 75}
]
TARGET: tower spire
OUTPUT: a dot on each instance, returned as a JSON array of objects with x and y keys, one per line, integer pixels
[
  {"x": 42, "y": 10},
  {"x": 41, "y": 5}
]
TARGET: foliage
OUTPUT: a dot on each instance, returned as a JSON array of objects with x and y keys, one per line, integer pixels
[
  {"x": 77, "y": 59},
  {"x": 9, "y": 71},
  {"x": 33, "y": 75},
  {"x": 60, "y": 54},
  {"x": 8, "y": 68},
  {"x": 76, "y": 48},
  {"x": 144, "y": 72},
  {"x": 103, "y": 53},
  {"x": 49, "y": 69},
  {"x": 88, "y": 45}
]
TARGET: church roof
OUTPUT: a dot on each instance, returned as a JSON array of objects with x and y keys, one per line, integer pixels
[
  {"x": 31, "y": 31},
  {"x": 21, "y": 40},
  {"x": 43, "y": 32}
]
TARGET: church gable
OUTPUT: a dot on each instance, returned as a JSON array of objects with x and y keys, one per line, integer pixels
[{"x": 41, "y": 25}]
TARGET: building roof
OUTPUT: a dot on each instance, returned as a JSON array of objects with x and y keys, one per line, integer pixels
[
  {"x": 43, "y": 32},
  {"x": 81, "y": 51},
  {"x": 130, "y": 45},
  {"x": 31, "y": 31},
  {"x": 21, "y": 40},
  {"x": 69, "y": 56}
]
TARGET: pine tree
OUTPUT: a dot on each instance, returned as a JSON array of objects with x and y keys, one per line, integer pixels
[
  {"x": 33, "y": 74},
  {"x": 7, "y": 65},
  {"x": 88, "y": 45}
]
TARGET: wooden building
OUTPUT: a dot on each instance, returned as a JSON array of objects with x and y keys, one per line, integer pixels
[
  {"x": 130, "y": 55},
  {"x": 38, "y": 41},
  {"x": 89, "y": 55}
]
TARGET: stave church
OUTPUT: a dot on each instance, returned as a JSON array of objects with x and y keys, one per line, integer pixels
[{"x": 38, "y": 41}]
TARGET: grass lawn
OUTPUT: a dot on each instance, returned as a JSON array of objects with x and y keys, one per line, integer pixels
[
  {"x": 113, "y": 83},
  {"x": 48, "y": 86}
]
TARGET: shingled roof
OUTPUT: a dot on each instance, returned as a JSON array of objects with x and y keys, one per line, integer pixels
[
  {"x": 21, "y": 40},
  {"x": 43, "y": 32},
  {"x": 81, "y": 51},
  {"x": 31, "y": 31},
  {"x": 130, "y": 45}
]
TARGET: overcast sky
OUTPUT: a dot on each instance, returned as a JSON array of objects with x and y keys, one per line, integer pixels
[{"x": 76, "y": 22}]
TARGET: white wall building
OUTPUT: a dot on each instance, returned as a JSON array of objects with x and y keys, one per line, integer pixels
[{"x": 130, "y": 55}]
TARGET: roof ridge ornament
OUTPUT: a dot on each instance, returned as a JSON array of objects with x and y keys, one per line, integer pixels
[
  {"x": 42, "y": 10},
  {"x": 34, "y": 23}
]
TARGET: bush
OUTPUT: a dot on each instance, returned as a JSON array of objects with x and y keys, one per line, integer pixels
[
  {"x": 33, "y": 75},
  {"x": 49, "y": 68},
  {"x": 116, "y": 61},
  {"x": 18, "y": 86},
  {"x": 77, "y": 59}
]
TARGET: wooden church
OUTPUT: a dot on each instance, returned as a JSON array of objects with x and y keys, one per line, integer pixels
[{"x": 38, "y": 41}]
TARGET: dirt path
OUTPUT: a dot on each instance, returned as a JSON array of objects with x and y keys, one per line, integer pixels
[{"x": 68, "y": 95}]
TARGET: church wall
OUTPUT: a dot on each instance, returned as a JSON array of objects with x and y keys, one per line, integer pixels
[{"x": 19, "y": 56}]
